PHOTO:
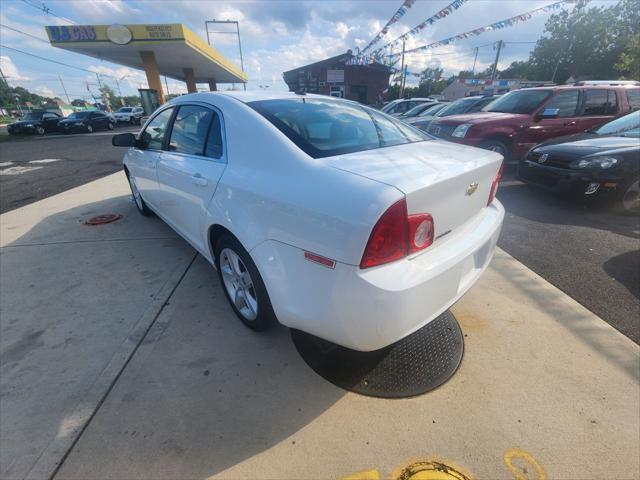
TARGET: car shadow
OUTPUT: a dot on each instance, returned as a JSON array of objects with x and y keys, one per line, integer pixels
[
  {"x": 200, "y": 393},
  {"x": 624, "y": 268}
]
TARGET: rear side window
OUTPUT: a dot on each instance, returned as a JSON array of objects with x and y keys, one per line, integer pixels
[
  {"x": 323, "y": 128},
  {"x": 633, "y": 97},
  {"x": 190, "y": 130},
  {"x": 214, "y": 140},
  {"x": 596, "y": 102},
  {"x": 565, "y": 102},
  {"x": 152, "y": 137}
]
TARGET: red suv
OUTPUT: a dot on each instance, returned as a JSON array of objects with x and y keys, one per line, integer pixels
[{"x": 517, "y": 121}]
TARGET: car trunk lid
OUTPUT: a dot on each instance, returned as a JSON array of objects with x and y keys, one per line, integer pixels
[{"x": 451, "y": 182}]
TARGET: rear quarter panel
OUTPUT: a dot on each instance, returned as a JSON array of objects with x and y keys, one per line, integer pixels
[{"x": 271, "y": 190}]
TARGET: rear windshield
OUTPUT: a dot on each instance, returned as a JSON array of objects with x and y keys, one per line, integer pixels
[
  {"x": 520, "y": 101},
  {"x": 124, "y": 110},
  {"x": 324, "y": 128}
]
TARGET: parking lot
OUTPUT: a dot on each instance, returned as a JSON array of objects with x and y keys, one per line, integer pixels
[
  {"x": 121, "y": 360},
  {"x": 586, "y": 250}
]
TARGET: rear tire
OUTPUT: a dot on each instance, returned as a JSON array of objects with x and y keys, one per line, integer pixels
[
  {"x": 40, "y": 131},
  {"x": 89, "y": 129},
  {"x": 242, "y": 284},
  {"x": 137, "y": 197},
  {"x": 497, "y": 146},
  {"x": 110, "y": 126}
]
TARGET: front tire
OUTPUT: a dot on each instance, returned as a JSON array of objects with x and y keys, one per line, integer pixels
[
  {"x": 630, "y": 198},
  {"x": 497, "y": 146},
  {"x": 40, "y": 131},
  {"x": 137, "y": 197},
  {"x": 243, "y": 285}
]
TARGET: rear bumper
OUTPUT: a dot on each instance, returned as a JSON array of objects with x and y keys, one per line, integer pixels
[
  {"x": 567, "y": 181},
  {"x": 369, "y": 309}
]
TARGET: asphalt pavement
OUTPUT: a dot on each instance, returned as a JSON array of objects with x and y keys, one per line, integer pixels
[
  {"x": 586, "y": 250},
  {"x": 33, "y": 168}
]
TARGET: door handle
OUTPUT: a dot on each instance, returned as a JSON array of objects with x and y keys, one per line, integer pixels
[
  {"x": 199, "y": 180},
  {"x": 151, "y": 162},
  {"x": 570, "y": 124}
]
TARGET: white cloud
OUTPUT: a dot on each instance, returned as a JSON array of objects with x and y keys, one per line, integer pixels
[
  {"x": 44, "y": 91},
  {"x": 10, "y": 70}
]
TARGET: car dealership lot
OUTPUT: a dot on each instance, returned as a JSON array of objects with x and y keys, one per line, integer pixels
[{"x": 128, "y": 363}]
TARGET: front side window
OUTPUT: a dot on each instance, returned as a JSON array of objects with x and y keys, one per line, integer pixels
[
  {"x": 565, "y": 102},
  {"x": 519, "y": 101},
  {"x": 323, "y": 128},
  {"x": 189, "y": 131},
  {"x": 595, "y": 103},
  {"x": 79, "y": 115},
  {"x": 152, "y": 137}
]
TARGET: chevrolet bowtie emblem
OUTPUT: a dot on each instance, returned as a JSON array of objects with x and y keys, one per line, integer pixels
[{"x": 471, "y": 189}]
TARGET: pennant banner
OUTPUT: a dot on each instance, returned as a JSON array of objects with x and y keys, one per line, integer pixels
[
  {"x": 509, "y": 22},
  {"x": 406, "y": 5},
  {"x": 446, "y": 11}
]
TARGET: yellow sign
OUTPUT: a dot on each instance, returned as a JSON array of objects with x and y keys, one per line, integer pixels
[{"x": 100, "y": 33}]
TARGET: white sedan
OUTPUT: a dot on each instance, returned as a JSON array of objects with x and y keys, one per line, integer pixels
[{"x": 322, "y": 214}]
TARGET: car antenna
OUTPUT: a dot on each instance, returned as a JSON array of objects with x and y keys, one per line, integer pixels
[{"x": 300, "y": 92}]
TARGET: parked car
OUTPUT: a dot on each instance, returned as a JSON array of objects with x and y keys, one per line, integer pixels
[
  {"x": 335, "y": 219},
  {"x": 86, "y": 121},
  {"x": 425, "y": 117},
  {"x": 604, "y": 162},
  {"x": 35, "y": 122},
  {"x": 462, "y": 105},
  {"x": 400, "y": 106},
  {"x": 129, "y": 114},
  {"x": 517, "y": 121},
  {"x": 417, "y": 110}
]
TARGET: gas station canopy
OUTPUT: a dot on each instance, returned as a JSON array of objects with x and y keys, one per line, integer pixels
[{"x": 172, "y": 50}]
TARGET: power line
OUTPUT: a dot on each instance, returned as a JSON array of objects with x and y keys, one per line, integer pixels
[
  {"x": 55, "y": 61},
  {"x": 47, "y": 11},
  {"x": 24, "y": 33}
]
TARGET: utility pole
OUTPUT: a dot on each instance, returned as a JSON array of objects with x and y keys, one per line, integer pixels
[
  {"x": 495, "y": 64},
  {"x": 402, "y": 73},
  {"x": 64, "y": 89},
  {"x": 166, "y": 84},
  {"x": 475, "y": 59},
  {"x": 3, "y": 77}
]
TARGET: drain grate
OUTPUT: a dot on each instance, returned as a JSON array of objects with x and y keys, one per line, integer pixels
[
  {"x": 416, "y": 364},
  {"x": 102, "y": 219}
]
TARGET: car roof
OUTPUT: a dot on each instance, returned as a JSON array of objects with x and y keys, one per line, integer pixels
[{"x": 257, "y": 95}]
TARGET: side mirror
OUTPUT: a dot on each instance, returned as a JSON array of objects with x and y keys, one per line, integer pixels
[
  {"x": 549, "y": 113},
  {"x": 124, "y": 140}
]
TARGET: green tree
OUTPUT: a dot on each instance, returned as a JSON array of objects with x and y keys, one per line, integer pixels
[
  {"x": 583, "y": 43},
  {"x": 629, "y": 64}
]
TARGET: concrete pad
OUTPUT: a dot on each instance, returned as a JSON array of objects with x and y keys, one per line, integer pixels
[
  {"x": 75, "y": 302},
  {"x": 546, "y": 389}
]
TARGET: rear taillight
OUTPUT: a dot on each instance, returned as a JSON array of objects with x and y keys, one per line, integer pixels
[
  {"x": 397, "y": 235},
  {"x": 494, "y": 185}
]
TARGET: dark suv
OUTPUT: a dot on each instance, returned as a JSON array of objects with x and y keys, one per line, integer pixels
[{"x": 514, "y": 123}]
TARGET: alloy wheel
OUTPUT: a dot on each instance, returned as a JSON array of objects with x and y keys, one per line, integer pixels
[{"x": 239, "y": 284}]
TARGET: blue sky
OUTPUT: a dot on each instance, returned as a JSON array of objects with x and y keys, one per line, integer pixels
[{"x": 276, "y": 35}]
